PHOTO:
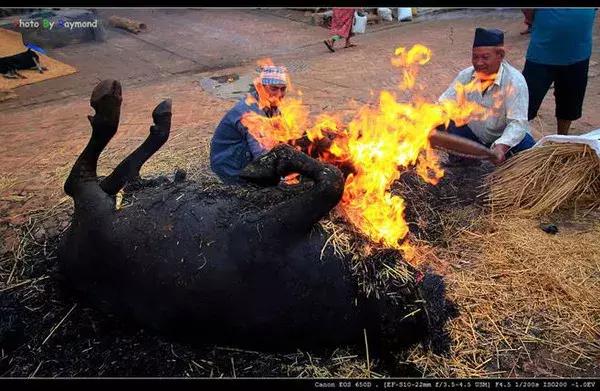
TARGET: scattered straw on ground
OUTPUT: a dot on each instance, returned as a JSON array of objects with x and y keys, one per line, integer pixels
[
  {"x": 545, "y": 178},
  {"x": 528, "y": 301},
  {"x": 342, "y": 363},
  {"x": 7, "y": 182}
]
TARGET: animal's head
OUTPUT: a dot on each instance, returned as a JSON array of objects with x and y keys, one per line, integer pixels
[{"x": 33, "y": 54}]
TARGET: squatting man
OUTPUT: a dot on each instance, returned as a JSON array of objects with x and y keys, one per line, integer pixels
[
  {"x": 499, "y": 86},
  {"x": 233, "y": 147}
]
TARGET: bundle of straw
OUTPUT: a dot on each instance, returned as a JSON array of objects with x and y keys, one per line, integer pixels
[{"x": 540, "y": 180}]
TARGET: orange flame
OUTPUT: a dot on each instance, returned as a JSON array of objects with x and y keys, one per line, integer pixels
[
  {"x": 381, "y": 142},
  {"x": 290, "y": 125},
  {"x": 409, "y": 61}
]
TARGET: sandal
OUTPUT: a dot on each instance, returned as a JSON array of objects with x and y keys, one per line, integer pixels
[
  {"x": 329, "y": 46},
  {"x": 350, "y": 46}
]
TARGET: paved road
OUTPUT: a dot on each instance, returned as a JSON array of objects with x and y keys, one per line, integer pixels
[
  {"x": 178, "y": 41},
  {"x": 184, "y": 41}
]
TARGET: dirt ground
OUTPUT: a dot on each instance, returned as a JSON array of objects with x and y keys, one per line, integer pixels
[{"x": 45, "y": 128}]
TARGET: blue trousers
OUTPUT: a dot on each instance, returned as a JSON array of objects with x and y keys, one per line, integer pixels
[{"x": 466, "y": 132}]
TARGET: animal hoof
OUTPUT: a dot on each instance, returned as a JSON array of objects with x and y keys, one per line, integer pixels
[
  {"x": 163, "y": 108},
  {"x": 162, "y": 120},
  {"x": 106, "y": 97}
]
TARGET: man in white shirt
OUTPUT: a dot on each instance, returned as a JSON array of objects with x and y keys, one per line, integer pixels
[{"x": 499, "y": 87}]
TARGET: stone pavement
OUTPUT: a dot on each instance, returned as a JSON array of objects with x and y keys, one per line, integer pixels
[
  {"x": 42, "y": 141},
  {"x": 178, "y": 41}
]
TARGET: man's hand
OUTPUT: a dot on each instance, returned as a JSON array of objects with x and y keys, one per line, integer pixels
[{"x": 500, "y": 151}]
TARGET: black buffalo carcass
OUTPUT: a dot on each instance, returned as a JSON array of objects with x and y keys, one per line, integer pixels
[{"x": 234, "y": 265}]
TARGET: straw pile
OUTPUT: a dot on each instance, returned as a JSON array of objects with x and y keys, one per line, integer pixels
[
  {"x": 546, "y": 178},
  {"x": 528, "y": 301}
]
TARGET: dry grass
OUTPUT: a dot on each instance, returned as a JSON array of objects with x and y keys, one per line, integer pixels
[
  {"x": 374, "y": 266},
  {"x": 546, "y": 178},
  {"x": 528, "y": 301},
  {"x": 33, "y": 242},
  {"x": 341, "y": 364},
  {"x": 7, "y": 182}
]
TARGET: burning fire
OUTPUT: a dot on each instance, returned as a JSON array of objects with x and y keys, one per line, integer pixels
[{"x": 381, "y": 141}]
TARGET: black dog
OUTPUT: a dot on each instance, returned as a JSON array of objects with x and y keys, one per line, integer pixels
[{"x": 9, "y": 66}]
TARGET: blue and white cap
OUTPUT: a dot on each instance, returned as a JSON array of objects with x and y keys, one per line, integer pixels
[{"x": 274, "y": 75}]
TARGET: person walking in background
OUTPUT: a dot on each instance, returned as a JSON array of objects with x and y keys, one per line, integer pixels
[
  {"x": 528, "y": 13},
  {"x": 559, "y": 51},
  {"x": 341, "y": 27}
]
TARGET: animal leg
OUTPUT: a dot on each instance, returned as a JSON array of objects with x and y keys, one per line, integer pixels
[
  {"x": 10, "y": 75},
  {"x": 129, "y": 169},
  {"x": 295, "y": 217},
  {"x": 39, "y": 66},
  {"x": 106, "y": 100},
  {"x": 263, "y": 171}
]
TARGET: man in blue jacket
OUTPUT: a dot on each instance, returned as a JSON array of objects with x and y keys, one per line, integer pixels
[
  {"x": 232, "y": 146},
  {"x": 559, "y": 52}
]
